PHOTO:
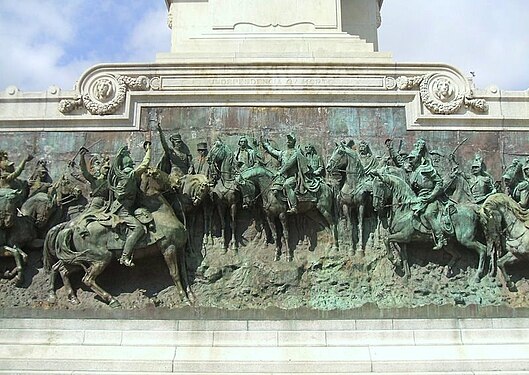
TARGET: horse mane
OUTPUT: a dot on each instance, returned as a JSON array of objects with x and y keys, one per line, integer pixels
[
  {"x": 193, "y": 184},
  {"x": 498, "y": 200},
  {"x": 401, "y": 190},
  {"x": 355, "y": 170}
]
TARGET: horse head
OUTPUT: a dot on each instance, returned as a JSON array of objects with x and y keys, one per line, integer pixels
[
  {"x": 337, "y": 161},
  {"x": 65, "y": 191},
  {"x": 195, "y": 187},
  {"x": 512, "y": 176},
  {"x": 155, "y": 182},
  {"x": 9, "y": 203},
  {"x": 380, "y": 190}
]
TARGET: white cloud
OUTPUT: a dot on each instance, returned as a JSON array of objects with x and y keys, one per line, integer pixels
[
  {"x": 47, "y": 42},
  {"x": 150, "y": 36},
  {"x": 485, "y": 37}
]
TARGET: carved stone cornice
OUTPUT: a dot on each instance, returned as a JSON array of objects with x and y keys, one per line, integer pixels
[
  {"x": 441, "y": 94},
  {"x": 104, "y": 94}
]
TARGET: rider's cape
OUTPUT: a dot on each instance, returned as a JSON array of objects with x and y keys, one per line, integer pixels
[{"x": 304, "y": 183}]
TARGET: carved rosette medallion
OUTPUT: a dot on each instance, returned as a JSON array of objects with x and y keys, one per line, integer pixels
[
  {"x": 104, "y": 94},
  {"x": 441, "y": 94}
]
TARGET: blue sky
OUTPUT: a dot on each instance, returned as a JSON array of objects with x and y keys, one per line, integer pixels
[{"x": 48, "y": 42}]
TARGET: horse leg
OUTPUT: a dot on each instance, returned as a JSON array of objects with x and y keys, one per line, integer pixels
[
  {"x": 65, "y": 275},
  {"x": 467, "y": 239},
  {"x": 360, "y": 228},
  {"x": 284, "y": 223},
  {"x": 222, "y": 211},
  {"x": 95, "y": 270},
  {"x": 170, "y": 256},
  {"x": 508, "y": 258},
  {"x": 52, "y": 296},
  {"x": 206, "y": 213},
  {"x": 233, "y": 213},
  {"x": 20, "y": 258},
  {"x": 331, "y": 226},
  {"x": 404, "y": 259},
  {"x": 399, "y": 240},
  {"x": 455, "y": 256},
  {"x": 275, "y": 234}
]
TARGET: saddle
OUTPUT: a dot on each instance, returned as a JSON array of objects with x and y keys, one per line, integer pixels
[{"x": 116, "y": 225}]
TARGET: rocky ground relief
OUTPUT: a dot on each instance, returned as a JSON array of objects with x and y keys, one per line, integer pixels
[{"x": 317, "y": 278}]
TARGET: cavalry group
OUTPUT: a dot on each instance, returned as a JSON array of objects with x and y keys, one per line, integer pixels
[{"x": 134, "y": 207}]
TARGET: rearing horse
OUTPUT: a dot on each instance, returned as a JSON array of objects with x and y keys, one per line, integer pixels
[
  {"x": 355, "y": 192},
  {"x": 225, "y": 193},
  {"x": 404, "y": 227}
]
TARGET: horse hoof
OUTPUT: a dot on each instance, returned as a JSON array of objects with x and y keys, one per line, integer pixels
[
  {"x": 74, "y": 300},
  {"x": 512, "y": 287},
  {"x": 52, "y": 299},
  {"x": 114, "y": 303},
  {"x": 19, "y": 280}
]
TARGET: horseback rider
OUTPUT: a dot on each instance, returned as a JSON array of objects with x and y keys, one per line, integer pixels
[
  {"x": 480, "y": 182},
  {"x": 245, "y": 157},
  {"x": 98, "y": 180},
  {"x": 201, "y": 162},
  {"x": 288, "y": 169},
  {"x": 9, "y": 175},
  {"x": 428, "y": 186},
  {"x": 368, "y": 160},
  {"x": 124, "y": 181},
  {"x": 315, "y": 163},
  {"x": 177, "y": 160},
  {"x": 521, "y": 191},
  {"x": 40, "y": 180}
]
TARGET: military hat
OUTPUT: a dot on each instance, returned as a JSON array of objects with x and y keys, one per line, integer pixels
[
  {"x": 437, "y": 152},
  {"x": 176, "y": 137},
  {"x": 291, "y": 137},
  {"x": 202, "y": 146}
]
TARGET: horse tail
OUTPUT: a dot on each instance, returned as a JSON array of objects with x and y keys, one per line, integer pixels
[{"x": 49, "y": 254}]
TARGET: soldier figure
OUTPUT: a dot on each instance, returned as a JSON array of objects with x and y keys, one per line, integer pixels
[
  {"x": 428, "y": 185},
  {"x": 201, "y": 163},
  {"x": 369, "y": 162},
  {"x": 40, "y": 180},
  {"x": 98, "y": 180},
  {"x": 315, "y": 163},
  {"x": 8, "y": 173},
  {"x": 245, "y": 157},
  {"x": 124, "y": 181},
  {"x": 521, "y": 191},
  {"x": 480, "y": 181},
  {"x": 288, "y": 169},
  {"x": 177, "y": 160}
]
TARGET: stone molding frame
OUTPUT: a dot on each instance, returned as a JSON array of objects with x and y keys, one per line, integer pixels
[
  {"x": 441, "y": 94},
  {"x": 112, "y": 96},
  {"x": 104, "y": 94}
]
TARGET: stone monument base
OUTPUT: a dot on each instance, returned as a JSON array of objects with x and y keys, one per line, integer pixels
[{"x": 464, "y": 345}]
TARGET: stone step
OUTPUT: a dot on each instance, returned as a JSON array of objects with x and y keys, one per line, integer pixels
[
  {"x": 402, "y": 358},
  {"x": 419, "y": 346}
]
